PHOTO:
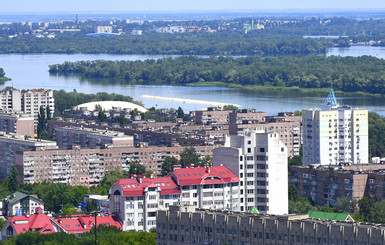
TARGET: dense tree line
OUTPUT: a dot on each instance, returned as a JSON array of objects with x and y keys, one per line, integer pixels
[
  {"x": 65, "y": 100},
  {"x": 376, "y": 135},
  {"x": 348, "y": 74},
  {"x": 106, "y": 235},
  {"x": 221, "y": 43}
]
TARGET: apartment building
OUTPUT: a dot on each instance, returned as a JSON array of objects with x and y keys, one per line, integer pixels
[
  {"x": 335, "y": 134},
  {"x": 213, "y": 115},
  {"x": 326, "y": 184},
  {"x": 286, "y": 125},
  {"x": 259, "y": 159},
  {"x": 27, "y": 101},
  {"x": 32, "y": 100},
  {"x": 18, "y": 123},
  {"x": 67, "y": 137},
  {"x": 40, "y": 160},
  {"x": 11, "y": 100},
  {"x": 12, "y": 144},
  {"x": 188, "y": 225},
  {"x": 136, "y": 200}
]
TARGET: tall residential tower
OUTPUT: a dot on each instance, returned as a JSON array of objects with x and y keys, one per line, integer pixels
[{"x": 335, "y": 134}]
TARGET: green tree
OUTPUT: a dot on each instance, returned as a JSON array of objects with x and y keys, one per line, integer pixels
[
  {"x": 295, "y": 161},
  {"x": 297, "y": 113},
  {"x": 13, "y": 185},
  {"x": 366, "y": 206},
  {"x": 41, "y": 124},
  {"x": 48, "y": 113},
  {"x": 345, "y": 205},
  {"x": 168, "y": 164},
  {"x": 302, "y": 206},
  {"x": 377, "y": 213},
  {"x": 293, "y": 193},
  {"x": 136, "y": 168},
  {"x": 180, "y": 112},
  {"x": 189, "y": 156},
  {"x": 230, "y": 108}
]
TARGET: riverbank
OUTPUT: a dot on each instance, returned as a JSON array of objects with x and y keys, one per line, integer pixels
[{"x": 281, "y": 90}]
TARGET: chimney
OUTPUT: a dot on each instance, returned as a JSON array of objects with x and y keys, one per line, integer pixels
[
  {"x": 152, "y": 176},
  {"x": 177, "y": 166},
  {"x": 208, "y": 170},
  {"x": 191, "y": 165}
]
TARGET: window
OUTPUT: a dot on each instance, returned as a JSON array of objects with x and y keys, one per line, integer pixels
[
  {"x": 248, "y": 150},
  {"x": 261, "y": 149}
]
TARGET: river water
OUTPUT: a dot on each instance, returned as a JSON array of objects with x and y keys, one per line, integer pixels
[{"x": 31, "y": 71}]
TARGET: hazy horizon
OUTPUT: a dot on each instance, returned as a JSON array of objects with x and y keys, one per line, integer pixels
[{"x": 134, "y": 6}]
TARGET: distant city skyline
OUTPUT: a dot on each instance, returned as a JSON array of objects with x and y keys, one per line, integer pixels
[{"x": 27, "y": 6}]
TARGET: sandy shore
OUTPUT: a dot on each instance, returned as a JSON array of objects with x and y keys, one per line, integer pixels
[{"x": 200, "y": 102}]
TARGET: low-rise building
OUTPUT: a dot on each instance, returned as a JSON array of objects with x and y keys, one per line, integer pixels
[
  {"x": 20, "y": 203},
  {"x": 135, "y": 201},
  {"x": 188, "y": 225},
  {"x": 43, "y": 224}
]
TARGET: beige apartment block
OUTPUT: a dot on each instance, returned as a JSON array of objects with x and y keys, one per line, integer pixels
[{"x": 188, "y": 225}]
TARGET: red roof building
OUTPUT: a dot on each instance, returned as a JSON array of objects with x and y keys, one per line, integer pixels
[
  {"x": 78, "y": 224},
  {"x": 136, "y": 200},
  {"x": 40, "y": 222}
]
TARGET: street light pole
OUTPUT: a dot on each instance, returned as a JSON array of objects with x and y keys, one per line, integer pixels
[{"x": 96, "y": 228}]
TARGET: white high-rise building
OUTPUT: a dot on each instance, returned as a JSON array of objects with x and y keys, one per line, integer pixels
[
  {"x": 335, "y": 134},
  {"x": 259, "y": 159}
]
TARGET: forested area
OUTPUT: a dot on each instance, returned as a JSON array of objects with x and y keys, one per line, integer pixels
[
  {"x": 220, "y": 43},
  {"x": 347, "y": 74}
]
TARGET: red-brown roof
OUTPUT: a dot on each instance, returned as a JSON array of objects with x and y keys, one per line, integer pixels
[
  {"x": 36, "y": 222},
  {"x": 132, "y": 187},
  {"x": 200, "y": 175},
  {"x": 84, "y": 223}
]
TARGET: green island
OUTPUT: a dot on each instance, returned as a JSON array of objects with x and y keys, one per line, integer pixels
[
  {"x": 3, "y": 78},
  {"x": 363, "y": 74}
]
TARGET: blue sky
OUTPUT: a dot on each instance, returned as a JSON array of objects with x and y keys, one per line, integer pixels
[{"x": 31, "y": 6}]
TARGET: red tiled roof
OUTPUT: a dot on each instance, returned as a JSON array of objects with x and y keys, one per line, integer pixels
[
  {"x": 132, "y": 187},
  {"x": 37, "y": 222},
  {"x": 200, "y": 175},
  {"x": 84, "y": 223}
]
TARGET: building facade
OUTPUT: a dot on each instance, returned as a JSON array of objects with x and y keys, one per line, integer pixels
[
  {"x": 187, "y": 225},
  {"x": 17, "y": 123},
  {"x": 67, "y": 137},
  {"x": 260, "y": 161},
  {"x": 135, "y": 201},
  {"x": 324, "y": 185},
  {"x": 27, "y": 101},
  {"x": 335, "y": 134}
]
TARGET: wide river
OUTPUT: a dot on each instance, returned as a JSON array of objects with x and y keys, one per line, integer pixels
[{"x": 31, "y": 71}]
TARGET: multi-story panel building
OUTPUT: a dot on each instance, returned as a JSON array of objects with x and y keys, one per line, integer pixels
[
  {"x": 335, "y": 134},
  {"x": 32, "y": 100},
  {"x": 67, "y": 137},
  {"x": 27, "y": 101},
  {"x": 11, "y": 144},
  {"x": 325, "y": 185},
  {"x": 17, "y": 123},
  {"x": 285, "y": 124},
  {"x": 135, "y": 201},
  {"x": 213, "y": 115},
  {"x": 260, "y": 161},
  {"x": 188, "y": 225},
  {"x": 11, "y": 100},
  {"x": 39, "y": 160}
]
